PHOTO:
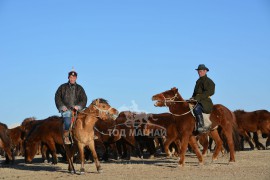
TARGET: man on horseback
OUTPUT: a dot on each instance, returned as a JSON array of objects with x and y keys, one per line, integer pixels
[
  {"x": 203, "y": 90},
  {"x": 70, "y": 96}
]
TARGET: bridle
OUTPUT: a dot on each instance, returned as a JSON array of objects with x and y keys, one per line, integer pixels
[
  {"x": 172, "y": 100},
  {"x": 100, "y": 111}
]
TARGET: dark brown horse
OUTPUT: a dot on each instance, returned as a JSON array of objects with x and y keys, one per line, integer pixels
[
  {"x": 49, "y": 133},
  {"x": 5, "y": 143},
  {"x": 252, "y": 122},
  {"x": 16, "y": 138},
  {"x": 185, "y": 123},
  {"x": 83, "y": 129}
]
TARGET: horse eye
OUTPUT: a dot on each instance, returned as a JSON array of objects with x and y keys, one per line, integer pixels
[{"x": 103, "y": 106}]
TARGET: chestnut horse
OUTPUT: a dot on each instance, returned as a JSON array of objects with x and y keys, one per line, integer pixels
[
  {"x": 5, "y": 143},
  {"x": 167, "y": 122},
  {"x": 83, "y": 130},
  {"x": 252, "y": 122},
  {"x": 185, "y": 123}
]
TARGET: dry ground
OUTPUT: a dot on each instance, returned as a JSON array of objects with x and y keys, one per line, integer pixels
[{"x": 249, "y": 165}]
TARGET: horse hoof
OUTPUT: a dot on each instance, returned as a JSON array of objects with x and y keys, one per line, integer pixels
[
  {"x": 180, "y": 166},
  {"x": 71, "y": 172},
  {"x": 200, "y": 163},
  {"x": 82, "y": 171},
  {"x": 231, "y": 162},
  {"x": 99, "y": 169}
]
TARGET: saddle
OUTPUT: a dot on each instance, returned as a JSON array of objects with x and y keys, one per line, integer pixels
[{"x": 206, "y": 117}]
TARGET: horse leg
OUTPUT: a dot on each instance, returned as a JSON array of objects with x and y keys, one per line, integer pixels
[
  {"x": 52, "y": 148},
  {"x": 95, "y": 157},
  {"x": 194, "y": 145},
  {"x": 203, "y": 139},
  {"x": 167, "y": 143},
  {"x": 258, "y": 145},
  {"x": 81, "y": 153},
  {"x": 214, "y": 134},
  {"x": 161, "y": 144},
  {"x": 229, "y": 135},
  {"x": 267, "y": 141},
  {"x": 69, "y": 155},
  {"x": 8, "y": 152},
  {"x": 248, "y": 139},
  {"x": 184, "y": 144},
  {"x": 44, "y": 156}
]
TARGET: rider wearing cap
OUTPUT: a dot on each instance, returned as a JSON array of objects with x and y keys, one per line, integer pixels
[
  {"x": 203, "y": 90},
  {"x": 69, "y": 96}
]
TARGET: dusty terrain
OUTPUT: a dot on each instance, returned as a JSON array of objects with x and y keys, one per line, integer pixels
[{"x": 249, "y": 165}]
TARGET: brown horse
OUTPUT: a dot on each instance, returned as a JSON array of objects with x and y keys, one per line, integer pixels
[
  {"x": 16, "y": 138},
  {"x": 185, "y": 123},
  {"x": 5, "y": 143},
  {"x": 167, "y": 122},
  {"x": 252, "y": 122},
  {"x": 83, "y": 129},
  {"x": 49, "y": 133}
]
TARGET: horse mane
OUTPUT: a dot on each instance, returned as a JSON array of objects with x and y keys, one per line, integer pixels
[
  {"x": 239, "y": 111},
  {"x": 101, "y": 100},
  {"x": 53, "y": 117},
  {"x": 4, "y": 125},
  {"x": 26, "y": 120}
]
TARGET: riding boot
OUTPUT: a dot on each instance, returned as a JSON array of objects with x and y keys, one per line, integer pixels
[
  {"x": 66, "y": 137},
  {"x": 200, "y": 123}
]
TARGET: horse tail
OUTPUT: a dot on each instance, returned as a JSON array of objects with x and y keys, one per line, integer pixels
[
  {"x": 236, "y": 135},
  {"x": 4, "y": 136}
]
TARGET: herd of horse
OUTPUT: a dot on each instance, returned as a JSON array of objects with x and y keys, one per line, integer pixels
[{"x": 101, "y": 125}]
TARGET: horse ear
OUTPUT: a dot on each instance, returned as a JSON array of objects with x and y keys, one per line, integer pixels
[
  {"x": 174, "y": 89},
  {"x": 98, "y": 101}
]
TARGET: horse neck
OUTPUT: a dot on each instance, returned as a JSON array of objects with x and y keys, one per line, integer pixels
[
  {"x": 159, "y": 120},
  {"x": 178, "y": 107},
  {"x": 89, "y": 118}
]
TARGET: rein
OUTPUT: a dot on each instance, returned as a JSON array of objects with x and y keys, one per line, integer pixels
[
  {"x": 101, "y": 132},
  {"x": 172, "y": 100}
]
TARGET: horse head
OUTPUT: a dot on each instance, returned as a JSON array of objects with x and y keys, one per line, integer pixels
[
  {"x": 103, "y": 109},
  {"x": 165, "y": 97}
]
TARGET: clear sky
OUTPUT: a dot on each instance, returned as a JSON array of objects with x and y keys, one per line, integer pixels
[{"x": 128, "y": 50}]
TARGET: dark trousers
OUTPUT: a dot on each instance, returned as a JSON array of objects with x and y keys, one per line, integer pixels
[
  {"x": 198, "y": 110},
  {"x": 67, "y": 122}
]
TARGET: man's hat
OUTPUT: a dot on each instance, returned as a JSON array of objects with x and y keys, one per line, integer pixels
[
  {"x": 202, "y": 67},
  {"x": 72, "y": 72}
]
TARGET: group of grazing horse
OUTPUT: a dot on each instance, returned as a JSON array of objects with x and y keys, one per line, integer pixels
[
  {"x": 253, "y": 122},
  {"x": 112, "y": 127}
]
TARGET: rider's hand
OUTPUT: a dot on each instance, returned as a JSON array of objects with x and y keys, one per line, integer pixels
[
  {"x": 64, "y": 108},
  {"x": 76, "y": 107}
]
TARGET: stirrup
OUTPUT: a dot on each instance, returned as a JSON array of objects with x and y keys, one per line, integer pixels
[
  {"x": 203, "y": 129},
  {"x": 66, "y": 140}
]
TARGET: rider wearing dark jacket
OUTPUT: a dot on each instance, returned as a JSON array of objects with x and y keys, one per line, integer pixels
[
  {"x": 203, "y": 91},
  {"x": 69, "y": 96}
]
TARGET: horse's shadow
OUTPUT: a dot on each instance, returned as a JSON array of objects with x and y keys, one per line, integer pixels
[
  {"x": 161, "y": 161},
  {"x": 36, "y": 165}
]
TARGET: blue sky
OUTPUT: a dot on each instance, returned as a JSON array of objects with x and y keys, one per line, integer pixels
[{"x": 128, "y": 50}]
